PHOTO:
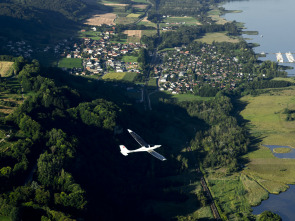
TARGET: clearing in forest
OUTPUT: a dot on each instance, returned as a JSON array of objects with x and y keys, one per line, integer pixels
[{"x": 6, "y": 68}]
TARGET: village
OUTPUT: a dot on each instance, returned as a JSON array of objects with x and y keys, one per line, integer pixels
[
  {"x": 182, "y": 71},
  {"x": 179, "y": 70},
  {"x": 103, "y": 55}
]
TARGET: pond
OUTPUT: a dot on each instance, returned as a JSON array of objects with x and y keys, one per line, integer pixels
[{"x": 289, "y": 155}]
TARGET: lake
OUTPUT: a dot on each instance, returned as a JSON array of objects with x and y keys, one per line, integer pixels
[
  {"x": 273, "y": 20},
  {"x": 281, "y": 204}
]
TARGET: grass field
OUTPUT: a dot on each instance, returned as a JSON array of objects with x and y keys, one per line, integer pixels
[
  {"x": 215, "y": 16},
  {"x": 292, "y": 80},
  {"x": 264, "y": 173},
  {"x": 265, "y": 115},
  {"x": 230, "y": 194},
  {"x": 133, "y": 15},
  {"x": 217, "y": 37},
  {"x": 126, "y": 20},
  {"x": 70, "y": 63},
  {"x": 90, "y": 34},
  {"x": 149, "y": 32},
  {"x": 121, "y": 76},
  {"x": 6, "y": 68},
  {"x": 147, "y": 23},
  {"x": 189, "y": 97},
  {"x": 266, "y": 121},
  {"x": 127, "y": 58}
]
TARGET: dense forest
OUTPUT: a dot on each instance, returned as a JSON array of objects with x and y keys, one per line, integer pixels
[
  {"x": 41, "y": 21},
  {"x": 64, "y": 161}
]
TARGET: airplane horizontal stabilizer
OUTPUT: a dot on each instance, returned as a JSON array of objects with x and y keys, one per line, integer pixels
[{"x": 124, "y": 150}]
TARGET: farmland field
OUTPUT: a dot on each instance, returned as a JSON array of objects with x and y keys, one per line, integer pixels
[
  {"x": 126, "y": 20},
  {"x": 6, "y": 68},
  {"x": 133, "y": 15},
  {"x": 99, "y": 19},
  {"x": 147, "y": 22},
  {"x": 125, "y": 76},
  {"x": 70, "y": 63},
  {"x": 217, "y": 37},
  {"x": 149, "y": 32},
  {"x": 90, "y": 34}
]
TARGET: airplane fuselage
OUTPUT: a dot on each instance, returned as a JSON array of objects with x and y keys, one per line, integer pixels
[{"x": 145, "y": 148}]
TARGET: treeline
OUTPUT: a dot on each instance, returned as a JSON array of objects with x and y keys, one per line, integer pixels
[
  {"x": 225, "y": 141},
  {"x": 262, "y": 84},
  {"x": 185, "y": 7}
]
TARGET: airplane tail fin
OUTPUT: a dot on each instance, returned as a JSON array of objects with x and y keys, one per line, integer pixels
[{"x": 124, "y": 150}]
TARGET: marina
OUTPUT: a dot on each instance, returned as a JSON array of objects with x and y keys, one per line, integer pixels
[{"x": 280, "y": 58}]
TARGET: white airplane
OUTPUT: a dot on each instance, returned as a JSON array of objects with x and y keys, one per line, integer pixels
[{"x": 144, "y": 147}]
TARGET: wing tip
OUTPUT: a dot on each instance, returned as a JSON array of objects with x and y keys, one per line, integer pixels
[{"x": 129, "y": 130}]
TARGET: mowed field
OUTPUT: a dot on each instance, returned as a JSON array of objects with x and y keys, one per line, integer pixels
[
  {"x": 70, "y": 63},
  {"x": 6, "y": 68},
  {"x": 119, "y": 76},
  {"x": 133, "y": 35},
  {"x": 217, "y": 37}
]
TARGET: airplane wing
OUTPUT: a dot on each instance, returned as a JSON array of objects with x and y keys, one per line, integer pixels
[
  {"x": 157, "y": 155},
  {"x": 138, "y": 138}
]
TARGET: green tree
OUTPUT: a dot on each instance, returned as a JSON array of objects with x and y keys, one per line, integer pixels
[
  {"x": 269, "y": 216},
  {"x": 30, "y": 127},
  {"x": 42, "y": 197}
]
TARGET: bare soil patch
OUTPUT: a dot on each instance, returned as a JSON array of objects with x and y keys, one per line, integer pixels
[
  {"x": 5, "y": 68},
  {"x": 99, "y": 19},
  {"x": 114, "y": 4},
  {"x": 133, "y": 33}
]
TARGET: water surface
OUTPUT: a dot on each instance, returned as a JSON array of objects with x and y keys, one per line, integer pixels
[
  {"x": 273, "y": 19},
  {"x": 281, "y": 204},
  {"x": 290, "y": 155}
]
